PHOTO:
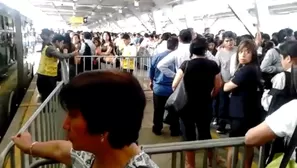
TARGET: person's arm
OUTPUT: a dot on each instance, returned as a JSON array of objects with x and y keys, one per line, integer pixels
[
  {"x": 165, "y": 63},
  {"x": 82, "y": 48},
  {"x": 209, "y": 56},
  {"x": 233, "y": 64},
  {"x": 217, "y": 58},
  {"x": 108, "y": 51},
  {"x": 281, "y": 123},
  {"x": 267, "y": 63},
  {"x": 241, "y": 76},
  {"x": 56, "y": 150},
  {"x": 152, "y": 69},
  {"x": 51, "y": 51},
  {"x": 178, "y": 77},
  {"x": 218, "y": 82},
  {"x": 179, "y": 74}
]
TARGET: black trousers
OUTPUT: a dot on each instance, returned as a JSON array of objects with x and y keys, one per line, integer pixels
[
  {"x": 159, "y": 109},
  {"x": 223, "y": 108},
  {"x": 159, "y": 104},
  {"x": 193, "y": 122},
  {"x": 45, "y": 85}
]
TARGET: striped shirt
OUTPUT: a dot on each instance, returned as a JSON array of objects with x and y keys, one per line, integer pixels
[{"x": 82, "y": 159}]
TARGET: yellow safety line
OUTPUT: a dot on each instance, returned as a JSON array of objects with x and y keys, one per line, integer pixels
[{"x": 214, "y": 135}]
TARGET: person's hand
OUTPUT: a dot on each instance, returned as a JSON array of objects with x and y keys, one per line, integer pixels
[
  {"x": 151, "y": 85},
  {"x": 76, "y": 53},
  {"x": 23, "y": 141}
]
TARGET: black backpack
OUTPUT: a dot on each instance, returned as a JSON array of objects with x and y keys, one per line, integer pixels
[{"x": 279, "y": 98}]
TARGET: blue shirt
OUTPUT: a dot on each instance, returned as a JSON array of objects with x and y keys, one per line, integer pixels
[{"x": 162, "y": 85}]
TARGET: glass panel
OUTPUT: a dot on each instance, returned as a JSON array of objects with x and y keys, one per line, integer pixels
[{"x": 1, "y": 23}]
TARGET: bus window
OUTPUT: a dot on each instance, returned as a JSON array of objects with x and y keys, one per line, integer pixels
[
  {"x": 3, "y": 51},
  {"x": 10, "y": 49},
  {"x": 10, "y": 24}
]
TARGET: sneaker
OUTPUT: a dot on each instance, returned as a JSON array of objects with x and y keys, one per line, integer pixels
[
  {"x": 221, "y": 131},
  {"x": 175, "y": 133},
  {"x": 214, "y": 122}
]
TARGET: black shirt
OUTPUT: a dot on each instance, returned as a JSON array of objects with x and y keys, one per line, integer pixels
[
  {"x": 199, "y": 81},
  {"x": 244, "y": 100}
]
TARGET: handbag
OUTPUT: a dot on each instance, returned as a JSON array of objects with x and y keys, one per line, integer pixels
[
  {"x": 178, "y": 99},
  {"x": 283, "y": 160}
]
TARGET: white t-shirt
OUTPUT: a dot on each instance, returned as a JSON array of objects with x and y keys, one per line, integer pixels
[{"x": 283, "y": 121}]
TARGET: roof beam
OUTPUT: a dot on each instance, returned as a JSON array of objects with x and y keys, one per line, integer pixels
[{"x": 137, "y": 15}]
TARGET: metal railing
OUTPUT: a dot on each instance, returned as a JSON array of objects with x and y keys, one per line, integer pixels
[
  {"x": 46, "y": 122},
  {"x": 177, "y": 149},
  {"x": 138, "y": 65}
]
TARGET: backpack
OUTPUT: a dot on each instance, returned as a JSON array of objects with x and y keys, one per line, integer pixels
[{"x": 280, "y": 97}]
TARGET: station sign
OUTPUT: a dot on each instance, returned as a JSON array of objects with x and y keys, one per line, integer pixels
[{"x": 76, "y": 20}]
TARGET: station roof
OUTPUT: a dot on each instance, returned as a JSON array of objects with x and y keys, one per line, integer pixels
[{"x": 102, "y": 11}]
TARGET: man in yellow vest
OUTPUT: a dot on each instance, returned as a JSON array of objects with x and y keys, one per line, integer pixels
[
  {"x": 48, "y": 66},
  {"x": 130, "y": 50}
]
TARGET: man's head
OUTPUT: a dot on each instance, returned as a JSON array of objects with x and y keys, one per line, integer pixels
[
  {"x": 126, "y": 38},
  {"x": 46, "y": 35},
  {"x": 87, "y": 36},
  {"x": 104, "y": 110},
  {"x": 229, "y": 39},
  {"x": 172, "y": 43},
  {"x": 58, "y": 41},
  {"x": 185, "y": 36},
  {"x": 288, "y": 51}
]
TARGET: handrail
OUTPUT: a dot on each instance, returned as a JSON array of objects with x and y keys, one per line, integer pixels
[
  {"x": 43, "y": 162},
  {"x": 27, "y": 124},
  {"x": 176, "y": 147}
]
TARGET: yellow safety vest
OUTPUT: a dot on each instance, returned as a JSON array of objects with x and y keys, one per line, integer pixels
[
  {"x": 128, "y": 63},
  {"x": 48, "y": 66}
]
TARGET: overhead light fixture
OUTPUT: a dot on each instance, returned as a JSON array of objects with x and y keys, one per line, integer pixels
[
  {"x": 93, "y": 13},
  {"x": 104, "y": 18},
  {"x": 73, "y": 13},
  {"x": 120, "y": 11},
  {"x": 99, "y": 7},
  {"x": 110, "y": 15},
  {"x": 136, "y": 2},
  {"x": 100, "y": 21},
  {"x": 74, "y": 0}
]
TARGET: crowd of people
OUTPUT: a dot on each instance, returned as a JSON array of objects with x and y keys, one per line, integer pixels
[{"x": 247, "y": 82}]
